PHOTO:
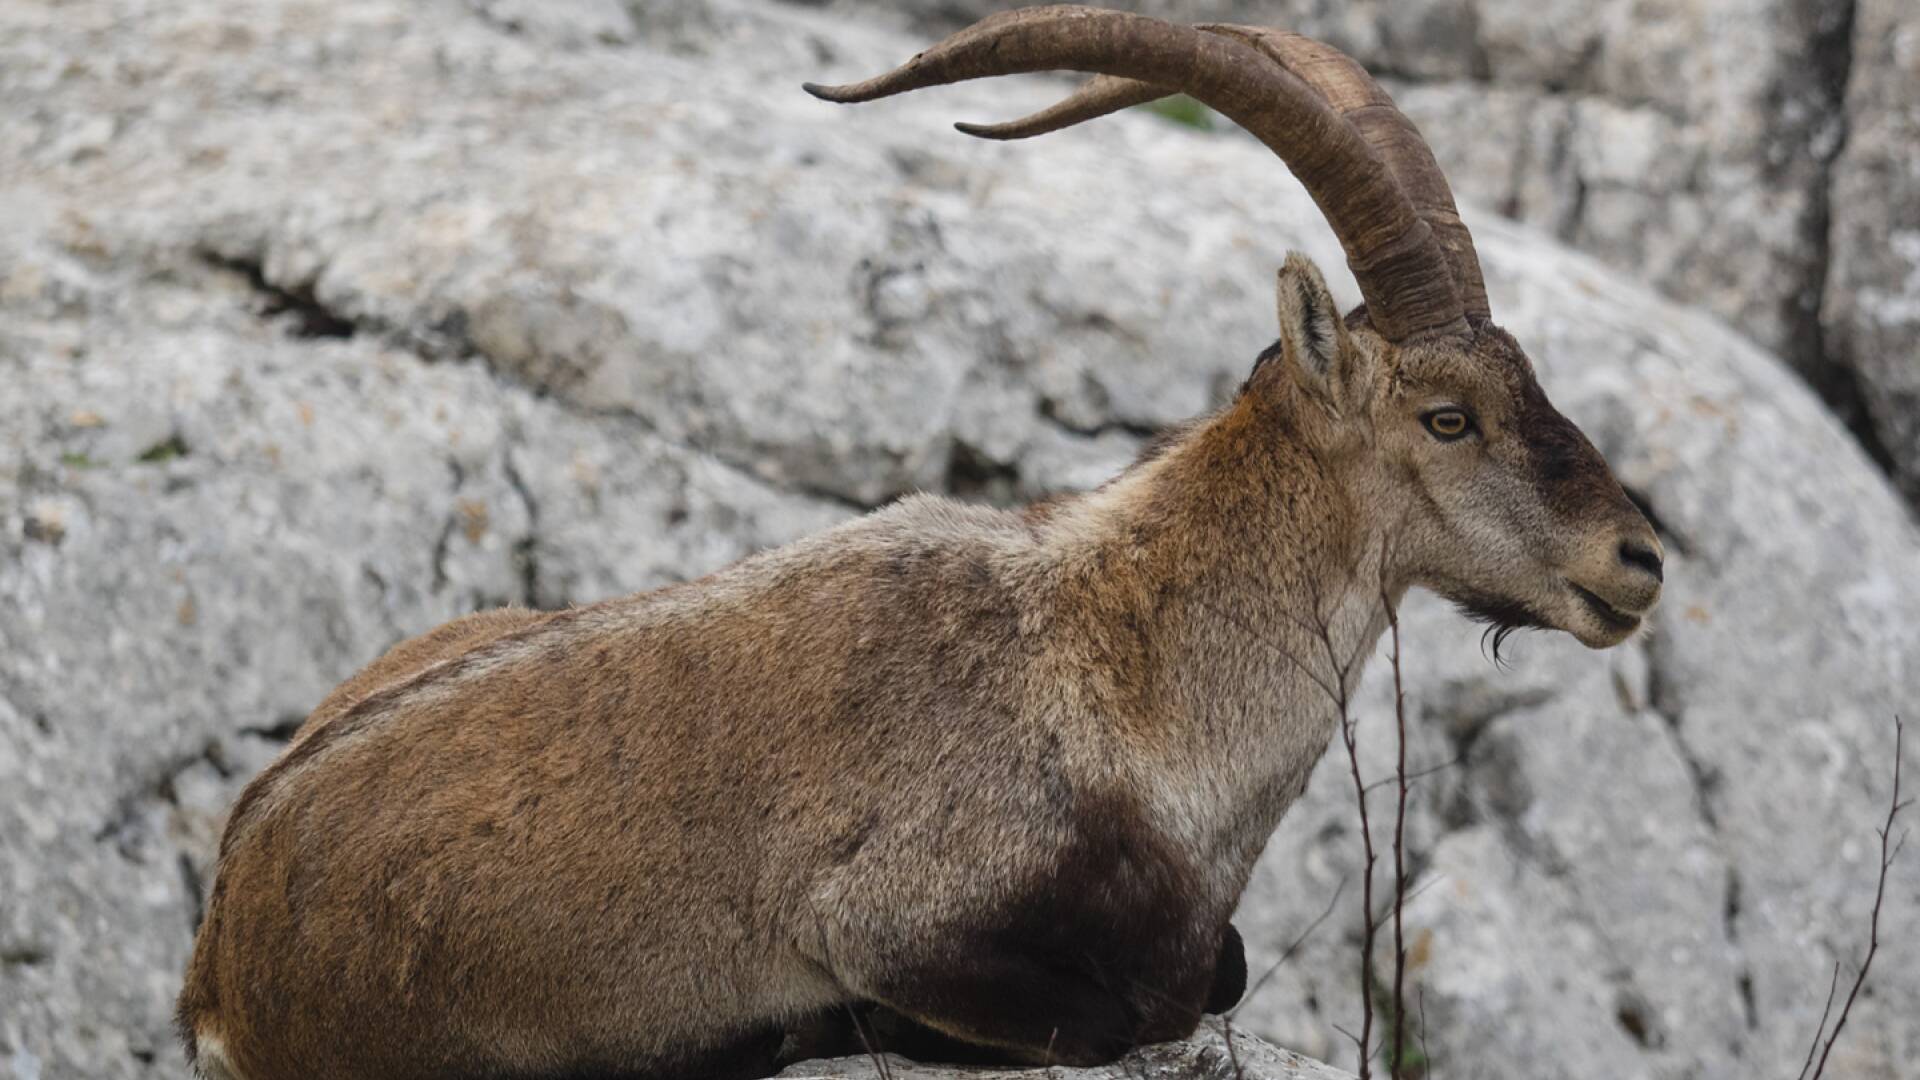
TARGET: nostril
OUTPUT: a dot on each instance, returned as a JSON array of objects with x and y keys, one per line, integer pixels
[{"x": 1642, "y": 556}]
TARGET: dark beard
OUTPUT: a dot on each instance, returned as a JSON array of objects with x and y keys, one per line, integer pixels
[{"x": 1502, "y": 616}]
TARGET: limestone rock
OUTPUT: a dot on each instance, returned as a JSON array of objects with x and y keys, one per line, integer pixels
[
  {"x": 1207, "y": 1054},
  {"x": 1872, "y": 309},
  {"x": 323, "y": 322},
  {"x": 1663, "y": 137}
]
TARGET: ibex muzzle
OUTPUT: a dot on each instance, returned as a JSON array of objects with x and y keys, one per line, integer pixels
[{"x": 1002, "y": 773}]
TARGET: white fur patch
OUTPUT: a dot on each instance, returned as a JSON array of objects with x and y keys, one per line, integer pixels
[{"x": 210, "y": 1058}]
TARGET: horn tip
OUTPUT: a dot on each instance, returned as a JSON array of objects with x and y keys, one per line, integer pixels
[
  {"x": 979, "y": 131},
  {"x": 839, "y": 95}
]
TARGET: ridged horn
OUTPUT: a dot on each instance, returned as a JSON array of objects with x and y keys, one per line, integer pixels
[
  {"x": 1365, "y": 104},
  {"x": 1101, "y": 95},
  {"x": 1400, "y": 265},
  {"x": 1352, "y": 93}
]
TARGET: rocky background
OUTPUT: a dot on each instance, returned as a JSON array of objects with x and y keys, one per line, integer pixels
[
  {"x": 1759, "y": 158},
  {"x": 322, "y": 321}
]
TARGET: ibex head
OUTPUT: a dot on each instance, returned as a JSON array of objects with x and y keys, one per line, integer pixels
[{"x": 1428, "y": 411}]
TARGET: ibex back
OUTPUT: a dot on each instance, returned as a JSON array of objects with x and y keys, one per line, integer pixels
[{"x": 1003, "y": 773}]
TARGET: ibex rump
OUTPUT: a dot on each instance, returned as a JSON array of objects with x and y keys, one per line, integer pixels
[{"x": 1004, "y": 773}]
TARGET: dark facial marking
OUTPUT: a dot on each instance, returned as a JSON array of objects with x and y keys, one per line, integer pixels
[{"x": 1568, "y": 473}]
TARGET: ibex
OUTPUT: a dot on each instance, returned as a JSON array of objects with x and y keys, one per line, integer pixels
[{"x": 1002, "y": 772}]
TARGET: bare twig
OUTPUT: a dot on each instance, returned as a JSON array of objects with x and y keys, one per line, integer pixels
[
  {"x": 1426, "y": 1056},
  {"x": 1385, "y": 911},
  {"x": 1335, "y": 684},
  {"x": 1420, "y": 774},
  {"x": 1287, "y": 953},
  {"x": 1399, "y": 841},
  {"x": 1887, "y": 855},
  {"x": 1233, "y": 1055},
  {"x": 1258, "y": 637},
  {"x": 1355, "y": 1039},
  {"x": 1349, "y": 737},
  {"x": 859, "y": 1026},
  {"x": 1833, "y": 987},
  {"x": 879, "y": 1062}
]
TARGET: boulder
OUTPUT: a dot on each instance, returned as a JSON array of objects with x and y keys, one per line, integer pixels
[
  {"x": 323, "y": 322},
  {"x": 1216, "y": 1050},
  {"x": 1872, "y": 306}
]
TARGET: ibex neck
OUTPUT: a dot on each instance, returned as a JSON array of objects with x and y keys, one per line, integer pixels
[{"x": 1246, "y": 588}]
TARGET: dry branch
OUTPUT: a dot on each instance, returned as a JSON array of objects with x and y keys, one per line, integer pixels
[
  {"x": 1887, "y": 855},
  {"x": 1399, "y": 844}
]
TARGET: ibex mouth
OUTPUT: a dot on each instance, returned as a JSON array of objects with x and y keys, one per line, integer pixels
[{"x": 1611, "y": 616}]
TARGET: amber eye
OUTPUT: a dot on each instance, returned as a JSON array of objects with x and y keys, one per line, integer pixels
[{"x": 1448, "y": 424}]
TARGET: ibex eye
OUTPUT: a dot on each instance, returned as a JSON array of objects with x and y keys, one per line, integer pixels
[{"x": 1448, "y": 424}]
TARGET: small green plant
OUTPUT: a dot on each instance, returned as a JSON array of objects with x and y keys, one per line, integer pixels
[
  {"x": 1182, "y": 110},
  {"x": 1412, "y": 1063},
  {"x": 74, "y": 459},
  {"x": 173, "y": 447}
]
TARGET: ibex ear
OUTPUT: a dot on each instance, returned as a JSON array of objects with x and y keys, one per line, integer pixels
[{"x": 1313, "y": 338}]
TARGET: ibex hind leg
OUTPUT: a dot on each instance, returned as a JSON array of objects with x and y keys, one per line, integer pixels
[
  {"x": 745, "y": 1057},
  {"x": 897, "y": 1034},
  {"x": 1028, "y": 1011},
  {"x": 1229, "y": 973},
  {"x": 865, "y": 1028}
]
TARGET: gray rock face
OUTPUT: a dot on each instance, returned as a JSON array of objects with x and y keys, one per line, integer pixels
[
  {"x": 1872, "y": 309},
  {"x": 1663, "y": 137},
  {"x": 321, "y": 323},
  {"x": 1216, "y": 1050},
  {"x": 1689, "y": 143}
]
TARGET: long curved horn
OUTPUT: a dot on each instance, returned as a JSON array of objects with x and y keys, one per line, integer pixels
[
  {"x": 1400, "y": 266},
  {"x": 1352, "y": 93},
  {"x": 1101, "y": 95},
  {"x": 1366, "y": 105}
]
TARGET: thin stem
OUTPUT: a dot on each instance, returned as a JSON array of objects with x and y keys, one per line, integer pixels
[
  {"x": 1399, "y": 843},
  {"x": 1426, "y": 1056},
  {"x": 1833, "y": 988},
  {"x": 1233, "y": 1055},
  {"x": 1349, "y": 737},
  {"x": 1287, "y": 954},
  {"x": 1260, "y": 638},
  {"x": 1420, "y": 774},
  {"x": 860, "y": 1028},
  {"x": 1879, "y": 895}
]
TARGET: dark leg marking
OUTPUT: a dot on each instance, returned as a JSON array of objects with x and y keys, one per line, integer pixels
[
  {"x": 1036, "y": 1013},
  {"x": 1230, "y": 974}
]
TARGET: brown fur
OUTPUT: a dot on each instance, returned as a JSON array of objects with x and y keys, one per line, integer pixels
[{"x": 416, "y": 654}]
